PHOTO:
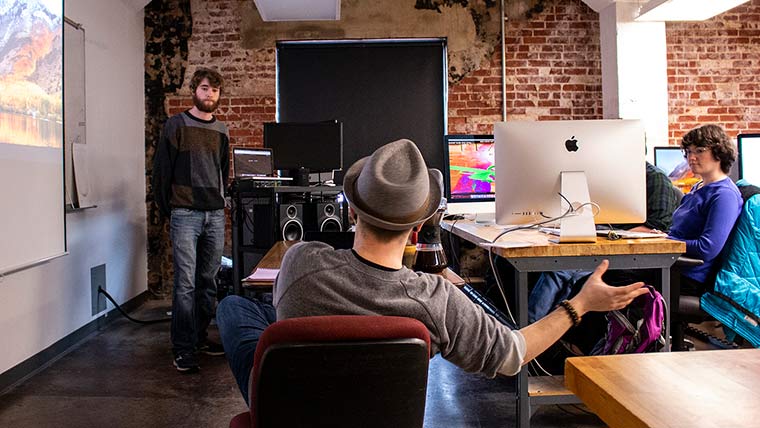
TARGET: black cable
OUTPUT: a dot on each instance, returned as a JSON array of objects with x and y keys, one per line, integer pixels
[
  {"x": 454, "y": 256},
  {"x": 116, "y": 305}
]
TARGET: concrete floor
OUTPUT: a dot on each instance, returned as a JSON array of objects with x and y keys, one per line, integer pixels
[{"x": 123, "y": 377}]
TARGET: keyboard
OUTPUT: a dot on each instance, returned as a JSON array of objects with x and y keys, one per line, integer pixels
[
  {"x": 623, "y": 234},
  {"x": 627, "y": 234}
]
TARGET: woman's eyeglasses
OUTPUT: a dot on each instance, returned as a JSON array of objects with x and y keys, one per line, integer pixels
[{"x": 698, "y": 151}]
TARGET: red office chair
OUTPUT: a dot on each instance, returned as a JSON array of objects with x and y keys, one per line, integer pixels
[{"x": 339, "y": 371}]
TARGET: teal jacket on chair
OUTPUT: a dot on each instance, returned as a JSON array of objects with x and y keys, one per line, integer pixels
[{"x": 736, "y": 299}]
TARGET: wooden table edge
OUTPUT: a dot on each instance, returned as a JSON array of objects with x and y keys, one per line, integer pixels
[{"x": 601, "y": 402}]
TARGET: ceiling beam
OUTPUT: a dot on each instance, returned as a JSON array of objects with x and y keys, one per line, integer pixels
[{"x": 598, "y": 5}]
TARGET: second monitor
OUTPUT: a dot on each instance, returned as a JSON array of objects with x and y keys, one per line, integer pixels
[
  {"x": 531, "y": 157},
  {"x": 316, "y": 146},
  {"x": 749, "y": 158},
  {"x": 469, "y": 180}
]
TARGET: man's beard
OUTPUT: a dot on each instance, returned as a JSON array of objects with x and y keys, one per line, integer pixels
[{"x": 204, "y": 105}]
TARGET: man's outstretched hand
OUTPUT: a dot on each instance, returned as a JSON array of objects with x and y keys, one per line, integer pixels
[{"x": 598, "y": 296}]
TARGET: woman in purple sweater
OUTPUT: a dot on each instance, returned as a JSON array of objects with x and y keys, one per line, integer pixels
[{"x": 707, "y": 214}]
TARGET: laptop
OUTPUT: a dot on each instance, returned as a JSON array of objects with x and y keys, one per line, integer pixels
[{"x": 254, "y": 164}]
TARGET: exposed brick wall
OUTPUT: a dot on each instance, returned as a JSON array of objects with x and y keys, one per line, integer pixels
[
  {"x": 713, "y": 69},
  {"x": 554, "y": 72},
  {"x": 248, "y": 98},
  {"x": 553, "y": 63},
  {"x": 245, "y": 115}
]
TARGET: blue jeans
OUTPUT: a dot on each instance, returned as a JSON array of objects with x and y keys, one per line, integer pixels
[
  {"x": 551, "y": 288},
  {"x": 241, "y": 322},
  {"x": 197, "y": 243}
]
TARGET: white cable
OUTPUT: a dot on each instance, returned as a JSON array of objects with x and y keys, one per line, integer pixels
[
  {"x": 570, "y": 212},
  {"x": 491, "y": 256},
  {"x": 541, "y": 367},
  {"x": 499, "y": 287}
]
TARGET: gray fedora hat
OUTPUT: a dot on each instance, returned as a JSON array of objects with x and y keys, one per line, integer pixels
[{"x": 393, "y": 189}]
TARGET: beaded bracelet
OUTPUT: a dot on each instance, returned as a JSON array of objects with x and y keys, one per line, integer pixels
[{"x": 571, "y": 312}]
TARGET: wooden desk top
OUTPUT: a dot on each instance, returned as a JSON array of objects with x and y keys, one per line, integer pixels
[
  {"x": 678, "y": 389},
  {"x": 273, "y": 259},
  {"x": 532, "y": 243}
]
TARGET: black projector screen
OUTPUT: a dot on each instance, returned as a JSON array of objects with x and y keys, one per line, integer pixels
[{"x": 382, "y": 90}]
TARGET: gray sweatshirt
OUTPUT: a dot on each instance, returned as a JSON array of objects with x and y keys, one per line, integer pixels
[{"x": 315, "y": 279}]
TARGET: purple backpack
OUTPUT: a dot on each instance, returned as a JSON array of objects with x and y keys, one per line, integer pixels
[{"x": 639, "y": 327}]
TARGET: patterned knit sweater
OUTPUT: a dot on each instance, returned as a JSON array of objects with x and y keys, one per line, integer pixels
[{"x": 191, "y": 165}]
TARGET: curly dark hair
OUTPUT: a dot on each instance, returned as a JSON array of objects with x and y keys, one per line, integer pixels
[
  {"x": 214, "y": 78},
  {"x": 714, "y": 137}
]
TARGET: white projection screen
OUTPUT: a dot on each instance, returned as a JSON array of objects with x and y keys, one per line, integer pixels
[{"x": 32, "y": 226}]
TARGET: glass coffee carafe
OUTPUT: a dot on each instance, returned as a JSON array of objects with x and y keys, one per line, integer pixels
[{"x": 430, "y": 256}]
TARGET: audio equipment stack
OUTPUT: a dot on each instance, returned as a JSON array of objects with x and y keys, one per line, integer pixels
[{"x": 264, "y": 213}]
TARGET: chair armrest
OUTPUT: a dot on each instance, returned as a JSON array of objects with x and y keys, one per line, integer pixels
[
  {"x": 684, "y": 261},
  {"x": 690, "y": 306}
]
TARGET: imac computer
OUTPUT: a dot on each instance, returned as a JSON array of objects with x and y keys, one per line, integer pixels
[
  {"x": 749, "y": 158},
  {"x": 671, "y": 161},
  {"x": 314, "y": 146},
  {"x": 469, "y": 175},
  {"x": 597, "y": 161}
]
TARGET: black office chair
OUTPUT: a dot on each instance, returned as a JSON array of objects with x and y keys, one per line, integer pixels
[
  {"x": 339, "y": 371},
  {"x": 687, "y": 309}
]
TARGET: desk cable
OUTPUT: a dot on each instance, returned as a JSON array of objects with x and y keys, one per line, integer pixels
[
  {"x": 454, "y": 254},
  {"x": 571, "y": 211},
  {"x": 247, "y": 220}
]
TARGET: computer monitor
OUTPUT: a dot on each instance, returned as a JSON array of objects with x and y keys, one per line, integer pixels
[
  {"x": 671, "y": 161},
  {"x": 316, "y": 146},
  {"x": 531, "y": 158},
  {"x": 469, "y": 174},
  {"x": 749, "y": 158}
]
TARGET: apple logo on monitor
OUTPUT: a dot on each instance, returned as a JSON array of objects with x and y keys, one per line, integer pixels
[{"x": 572, "y": 144}]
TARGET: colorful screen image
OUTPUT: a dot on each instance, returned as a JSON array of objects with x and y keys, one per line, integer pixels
[
  {"x": 30, "y": 73},
  {"x": 471, "y": 168},
  {"x": 671, "y": 161}
]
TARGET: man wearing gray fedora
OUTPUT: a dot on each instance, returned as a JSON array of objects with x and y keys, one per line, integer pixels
[{"x": 391, "y": 193}]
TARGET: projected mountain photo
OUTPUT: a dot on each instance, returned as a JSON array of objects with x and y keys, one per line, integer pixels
[{"x": 30, "y": 72}]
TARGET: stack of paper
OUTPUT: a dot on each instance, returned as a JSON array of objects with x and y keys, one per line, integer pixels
[{"x": 262, "y": 274}]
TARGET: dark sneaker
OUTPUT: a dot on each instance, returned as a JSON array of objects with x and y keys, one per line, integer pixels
[
  {"x": 211, "y": 348},
  {"x": 186, "y": 362}
]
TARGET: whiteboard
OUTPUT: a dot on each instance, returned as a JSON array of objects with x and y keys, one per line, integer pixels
[{"x": 32, "y": 221}]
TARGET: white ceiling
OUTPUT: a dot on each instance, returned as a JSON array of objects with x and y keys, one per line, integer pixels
[{"x": 298, "y": 10}]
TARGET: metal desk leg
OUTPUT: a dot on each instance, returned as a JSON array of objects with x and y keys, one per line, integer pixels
[
  {"x": 523, "y": 400},
  {"x": 665, "y": 282}
]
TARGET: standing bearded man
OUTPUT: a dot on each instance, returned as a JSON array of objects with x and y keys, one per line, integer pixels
[{"x": 190, "y": 173}]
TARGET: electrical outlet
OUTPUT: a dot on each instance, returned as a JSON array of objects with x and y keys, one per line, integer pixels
[{"x": 98, "y": 279}]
